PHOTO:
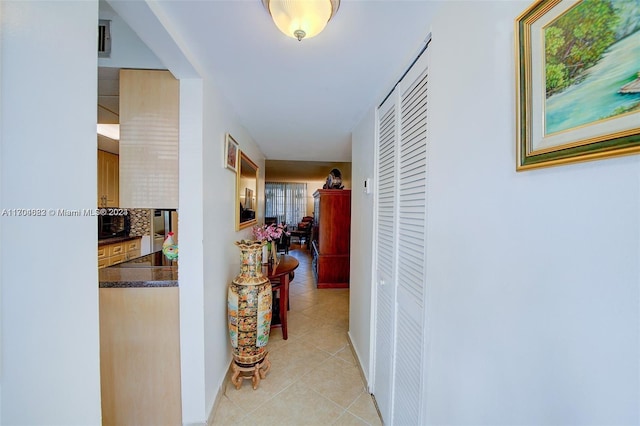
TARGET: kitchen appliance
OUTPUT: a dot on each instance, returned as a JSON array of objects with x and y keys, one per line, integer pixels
[
  {"x": 163, "y": 221},
  {"x": 117, "y": 225}
]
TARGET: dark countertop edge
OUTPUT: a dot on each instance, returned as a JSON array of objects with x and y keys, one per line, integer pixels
[
  {"x": 138, "y": 284},
  {"x": 115, "y": 240}
]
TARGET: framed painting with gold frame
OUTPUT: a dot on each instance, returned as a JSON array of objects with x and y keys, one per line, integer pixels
[{"x": 577, "y": 82}]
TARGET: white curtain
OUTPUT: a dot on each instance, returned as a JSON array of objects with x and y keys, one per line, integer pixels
[{"x": 286, "y": 201}]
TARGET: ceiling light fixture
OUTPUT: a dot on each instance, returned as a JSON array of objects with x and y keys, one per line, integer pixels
[
  {"x": 301, "y": 18},
  {"x": 111, "y": 131}
]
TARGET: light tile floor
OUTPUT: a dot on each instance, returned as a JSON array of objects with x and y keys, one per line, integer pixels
[{"x": 314, "y": 378}]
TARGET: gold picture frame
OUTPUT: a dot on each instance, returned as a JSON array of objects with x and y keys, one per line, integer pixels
[
  {"x": 246, "y": 192},
  {"x": 563, "y": 116},
  {"x": 231, "y": 153}
]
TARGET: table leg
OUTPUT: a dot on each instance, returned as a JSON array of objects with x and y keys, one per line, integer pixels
[{"x": 284, "y": 303}]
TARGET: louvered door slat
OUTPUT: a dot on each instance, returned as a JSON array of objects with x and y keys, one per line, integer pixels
[
  {"x": 401, "y": 207},
  {"x": 385, "y": 258},
  {"x": 412, "y": 253}
]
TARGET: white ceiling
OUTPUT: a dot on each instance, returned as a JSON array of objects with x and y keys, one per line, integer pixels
[
  {"x": 300, "y": 100},
  {"x": 108, "y": 95}
]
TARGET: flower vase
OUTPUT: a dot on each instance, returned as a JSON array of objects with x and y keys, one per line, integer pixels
[{"x": 249, "y": 307}]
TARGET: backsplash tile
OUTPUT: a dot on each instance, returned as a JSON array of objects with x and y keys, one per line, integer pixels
[{"x": 140, "y": 222}]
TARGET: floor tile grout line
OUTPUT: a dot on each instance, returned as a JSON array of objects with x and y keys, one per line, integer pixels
[{"x": 312, "y": 301}]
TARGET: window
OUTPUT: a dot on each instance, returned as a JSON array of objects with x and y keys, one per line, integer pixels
[{"x": 285, "y": 201}]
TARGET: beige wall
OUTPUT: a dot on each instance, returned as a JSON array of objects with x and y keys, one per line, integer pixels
[{"x": 313, "y": 173}]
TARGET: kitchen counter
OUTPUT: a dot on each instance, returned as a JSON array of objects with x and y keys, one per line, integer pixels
[
  {"x": 151, "y": 270},
  {"x": 114, "y": 240}
]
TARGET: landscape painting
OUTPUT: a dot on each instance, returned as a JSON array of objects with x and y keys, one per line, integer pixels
[
  {"x": 592, "y": 63},
  {"x": 577, "y": 81}
]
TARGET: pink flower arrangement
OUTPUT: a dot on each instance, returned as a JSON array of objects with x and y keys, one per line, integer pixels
[{"x": 268, "y": 232}]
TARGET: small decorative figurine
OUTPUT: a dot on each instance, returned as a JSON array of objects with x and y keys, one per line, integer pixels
[
  {"x": 169, "y": 247},
  {"x": 334, "y": 180}
]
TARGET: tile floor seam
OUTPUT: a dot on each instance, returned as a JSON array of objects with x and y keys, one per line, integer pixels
[
  {"x": 310, "y": 315},
  {"x": 270, "y": 399}
]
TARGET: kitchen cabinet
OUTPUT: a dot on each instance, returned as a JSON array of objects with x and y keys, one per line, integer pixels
[
  {"x": 149, "y": 134},
  {"x": 108, "y": 179},
  {"x": 111, "y": 254},
  {"x": 140, "y": 356}
]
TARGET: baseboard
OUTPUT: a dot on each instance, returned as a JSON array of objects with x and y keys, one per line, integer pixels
[
  {"x": 332, "y": 285},
  {"x": 364, "y": 377},
  {"x": 219, "y": 396},
  {"x": 375, "y": 404},
  {"x": 357, "y": 358}
]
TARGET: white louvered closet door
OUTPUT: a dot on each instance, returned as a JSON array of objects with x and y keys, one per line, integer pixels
[
  {"x": 407, "y": 337},
  {"x": 412, "y": 210},
  {"x": 386, "y": 254}
]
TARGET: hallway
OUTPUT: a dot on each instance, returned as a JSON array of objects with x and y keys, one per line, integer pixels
[{"x": 314, "y": 378}]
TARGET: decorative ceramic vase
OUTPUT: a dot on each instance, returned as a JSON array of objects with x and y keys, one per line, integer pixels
[{"x": 249, "y": 306}]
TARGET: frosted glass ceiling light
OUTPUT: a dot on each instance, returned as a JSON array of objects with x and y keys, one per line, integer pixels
[
  {"x": 301, "y": 18},
  {"x": 112, "y": 131}
]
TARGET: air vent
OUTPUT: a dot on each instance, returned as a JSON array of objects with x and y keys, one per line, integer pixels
[{"x": 104, "y": 38}]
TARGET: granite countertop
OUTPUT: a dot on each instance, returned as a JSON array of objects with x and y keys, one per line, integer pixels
[
  {"x": 151, "y": 270},
  {"x": 114, "y": 240}
]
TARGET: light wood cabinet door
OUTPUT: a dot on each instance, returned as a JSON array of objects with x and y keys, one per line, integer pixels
[
  {"x": 133, "y": 249},
  {"x": 116, "y": 249},
  {"x": 132, "y": 245},
  {"x": 103, "y": 252},
  {"x": 149, "y": 134},
  {"x": 118, "y": 258},
  {"x": 140, "y": 356},
  {"x": 112, "y": 178},
  {"x": 102, "y": 201},
  {"x": 108, "y": 179},
  {"x": 112, "y": 254}
]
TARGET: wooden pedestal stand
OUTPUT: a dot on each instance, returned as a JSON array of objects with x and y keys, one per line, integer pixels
[{"x": 254, "y": 372}]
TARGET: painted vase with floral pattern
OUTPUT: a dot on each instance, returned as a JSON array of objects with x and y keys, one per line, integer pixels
[{"x": 249, "y": 306}]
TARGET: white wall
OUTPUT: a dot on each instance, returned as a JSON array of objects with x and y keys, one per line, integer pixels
[
  {"x": 360, "y": 285},
  {"x": 190, "y": 224},
  {"x": 533, "y": 277},
  {"x": 222, "y": 257},
  {"x": 1, "y": 205},
  {"x": 50, "y": 345},
  {"x": 209, "y": 258},
  {"x": 127, "y": 50}
]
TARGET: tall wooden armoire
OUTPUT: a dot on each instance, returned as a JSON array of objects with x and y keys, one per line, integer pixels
[{"x": 332, "y": 237}]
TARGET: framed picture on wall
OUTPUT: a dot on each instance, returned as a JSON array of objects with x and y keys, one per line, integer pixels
[
  {"x": 577, "y": 81},
  {"x": 231, "y": 153}
]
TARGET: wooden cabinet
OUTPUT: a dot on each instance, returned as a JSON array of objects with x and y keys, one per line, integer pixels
[
  {"x": 111, "y": 254},
  {"x": 108, "y": 179},
  {"x": 149, "y": 135},
  {"x": 140, "y": 356},
  {"x": 132, "y": 248},
  {"x": 331, "y": 243}
]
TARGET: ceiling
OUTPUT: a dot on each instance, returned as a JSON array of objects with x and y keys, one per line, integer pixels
[
  {"x": 108, "y": 95},
  {"x": 299, "y": 100}
]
